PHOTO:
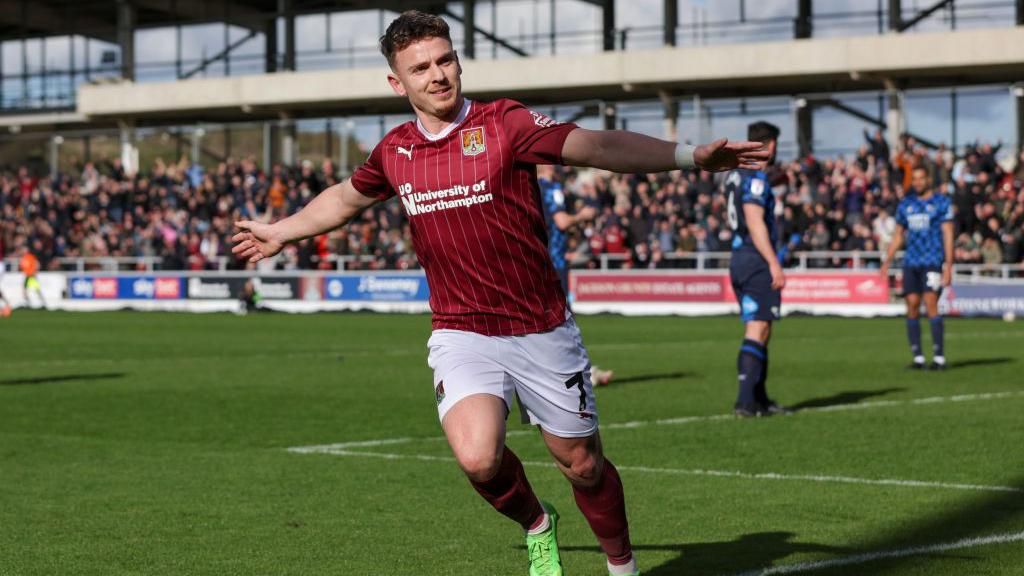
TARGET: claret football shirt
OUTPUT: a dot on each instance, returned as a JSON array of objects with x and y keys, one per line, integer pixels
[{"x": 473, "y": 202}]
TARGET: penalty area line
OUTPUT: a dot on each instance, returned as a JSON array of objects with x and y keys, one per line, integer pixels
[
  {"x": 684, "y": 472},
  {"x": 888, "y": 554}
]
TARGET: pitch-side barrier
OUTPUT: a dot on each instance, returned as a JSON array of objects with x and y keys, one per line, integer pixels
[{"x": 630, "y": 292}]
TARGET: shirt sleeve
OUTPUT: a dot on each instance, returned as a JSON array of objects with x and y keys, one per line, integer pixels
[
  {"x": 947, "y": 209},
  {"x": 370, "y": 179},
  {"x": 534, "y": 137},
  {"x": 901, "y": 214},
  {"x": 755, "y": 189}
]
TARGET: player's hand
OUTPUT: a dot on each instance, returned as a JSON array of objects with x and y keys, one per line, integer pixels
[
  {"x": 255, "y": 241},
  {"x": 724, "y": 155},
  {"x": 947, "y": 275},
  {"x": 884, "y": 272},
  {"x": 587, "y": 214},
  {"x": 778, "y": 276}
]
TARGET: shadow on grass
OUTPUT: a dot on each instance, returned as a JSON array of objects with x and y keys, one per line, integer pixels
[
  {"x": 748, "y": 552},
  {"x": 993, "y": 514},
  {"x": 975, "y": 362},
  {"x": 651, "y": 377},
  {"x": 982, "y": 516},
  {"x": 843, "y": 398},
  {"x": 57, "y": 379}
]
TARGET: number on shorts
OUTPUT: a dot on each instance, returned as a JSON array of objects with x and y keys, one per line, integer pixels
[{"x": 577, "y": 380}]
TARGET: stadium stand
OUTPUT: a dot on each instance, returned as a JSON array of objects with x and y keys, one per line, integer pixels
[{"x": 180, "y": 217}]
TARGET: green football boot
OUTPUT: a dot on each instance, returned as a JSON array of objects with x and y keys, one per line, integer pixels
[{"x": 543, "y": 547}]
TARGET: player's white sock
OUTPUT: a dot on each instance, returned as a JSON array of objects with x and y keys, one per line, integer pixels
[
  {"x": 545, "y": 523},
  {"x": 940, "y": 360},
  {"x": 627, "y": 569}
]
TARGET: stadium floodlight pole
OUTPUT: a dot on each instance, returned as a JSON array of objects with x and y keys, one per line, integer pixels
[
  {"x": 608, "y": 24},
  {"x": 895, "y": 16},
  {"x": 804, "y": 25},
  {"x": 671, "y": 17},
  {"x": 126, "y": 38},
  {"x": 469, "y": 29}
]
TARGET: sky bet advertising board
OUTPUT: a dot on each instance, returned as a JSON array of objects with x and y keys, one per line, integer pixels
[
  {"x": 355, "y": 287},
  {"x": 125, "y": 288}
]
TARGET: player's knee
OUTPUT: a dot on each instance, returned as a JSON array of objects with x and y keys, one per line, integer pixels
[
  {"x": 585, "y": 469},
  {"x": 758, "y": 331},
  {"x": 479, "y": 465}
]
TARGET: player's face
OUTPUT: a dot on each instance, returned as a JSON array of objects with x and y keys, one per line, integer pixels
[
  {"x": 921, "y": 181},
  {"x": 429, "y": 74}
]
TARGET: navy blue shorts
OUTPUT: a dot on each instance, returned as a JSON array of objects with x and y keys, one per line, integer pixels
[
  {"x": 919, "y": 280},
  {"x": 563, "y": 277},
  {"x": 752, "y": 283}
]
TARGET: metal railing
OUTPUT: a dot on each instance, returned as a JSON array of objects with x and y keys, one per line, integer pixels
[
  {"x": 800, "y": 261},
  {"x": 695, "y": 261}
]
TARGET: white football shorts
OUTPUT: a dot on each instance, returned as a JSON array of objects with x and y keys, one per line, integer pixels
[{"x": 548, "y": 372}]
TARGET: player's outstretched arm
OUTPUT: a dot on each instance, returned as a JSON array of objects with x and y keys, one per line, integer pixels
[
  {"x": 622, "y": 151},
  {"x": 332, "y": 208}
]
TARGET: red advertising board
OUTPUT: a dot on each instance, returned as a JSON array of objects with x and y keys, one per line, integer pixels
[
  {"x": 853, "y": 288},
  {"x": 620, "y": 287},
  {"x": 168, "y": 288},
  {"x": 104, "y": 288},
  {"x": 801, "y": 288}
]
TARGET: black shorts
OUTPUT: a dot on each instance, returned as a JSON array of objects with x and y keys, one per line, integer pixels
[
  {"x": 921, "y": 279},
  {"x": 752, "y": 283},
  {"x": 563, "y": 277}
]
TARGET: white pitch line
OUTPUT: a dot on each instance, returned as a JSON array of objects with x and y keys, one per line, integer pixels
[
  {"x": 684, "y": 419},
  {"x": 889, "y": 554},
  {"x": 334, "y": 451}
]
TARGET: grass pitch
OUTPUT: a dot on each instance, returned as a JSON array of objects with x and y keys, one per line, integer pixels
[{"x": 158, "y": 444}]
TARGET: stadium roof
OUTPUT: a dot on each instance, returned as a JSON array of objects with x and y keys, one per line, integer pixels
[{"x": 98, "y": 18}]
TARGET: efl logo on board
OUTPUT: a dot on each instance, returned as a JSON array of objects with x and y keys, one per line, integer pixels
[
  {"x": 473, "y": 142},
  {"x": 104, "y": 288},
  {"x": 168, "y": 288}
]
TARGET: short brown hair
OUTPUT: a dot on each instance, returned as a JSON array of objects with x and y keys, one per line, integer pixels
[{"x": 411, "y": 26}]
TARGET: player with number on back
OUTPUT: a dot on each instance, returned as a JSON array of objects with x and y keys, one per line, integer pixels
[
  {"x": 465, "y": 174},
  {"x": 757, "y": 276},
  {"x": 925, "y": 218}
]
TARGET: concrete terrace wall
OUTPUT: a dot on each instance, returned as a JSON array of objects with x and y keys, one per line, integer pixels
[{"x": 816, "y": 65}]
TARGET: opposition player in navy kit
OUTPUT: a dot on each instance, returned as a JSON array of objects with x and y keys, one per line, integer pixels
[
  {"x": 465, "y": 174},
  {"x": 757, "y": 276},
  {"x": 559, "y": 222},
  {"x": 926, "y": 220}
]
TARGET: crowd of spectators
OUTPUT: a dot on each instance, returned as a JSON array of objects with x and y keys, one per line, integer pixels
[{"x": 181, "y": 216}]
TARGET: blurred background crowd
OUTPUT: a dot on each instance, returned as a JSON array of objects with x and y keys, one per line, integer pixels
[{"x": 181, "y": 215}]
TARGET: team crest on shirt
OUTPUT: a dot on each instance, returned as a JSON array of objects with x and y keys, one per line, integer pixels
[
  {"x": 439, "y": 392},
  {"x": 473, "y": 141}
]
